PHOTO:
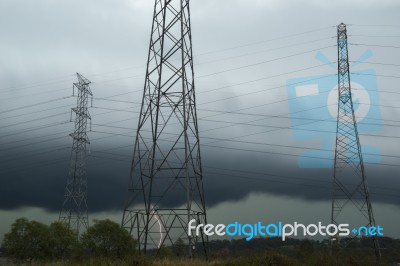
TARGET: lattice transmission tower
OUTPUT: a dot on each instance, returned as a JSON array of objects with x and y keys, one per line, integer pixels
[
  {"x": 351, "y": 198},
  {"x": 74, "y": 208},
  {"x": 166, "y": 181}
]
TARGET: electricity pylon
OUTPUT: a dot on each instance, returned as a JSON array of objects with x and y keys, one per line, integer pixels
[
  {"x": 350, "y": 195},
  {"x": 74, "y": 209},
  {"x": 166, "y": 181}
]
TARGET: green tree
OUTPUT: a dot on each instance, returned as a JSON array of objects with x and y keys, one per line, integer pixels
[
  {"x": 62, "y": 240},
  {"x": 27, "y": 240},
  {"x": 107, "y": 239}
]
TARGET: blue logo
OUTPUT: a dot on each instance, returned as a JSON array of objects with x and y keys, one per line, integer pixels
[{"x": 313, "y": 112}]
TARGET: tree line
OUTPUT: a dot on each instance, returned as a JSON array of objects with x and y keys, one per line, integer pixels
[
  {"x": 106, "y": 243},
  {"x": 35, "y": 241}
]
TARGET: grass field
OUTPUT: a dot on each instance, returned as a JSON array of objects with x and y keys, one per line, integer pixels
[{"x": 273, "y": 258}]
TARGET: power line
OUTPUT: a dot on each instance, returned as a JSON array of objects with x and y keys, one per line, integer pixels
[
  {"x": 376, "y": 63},
  {"x": 60, "y": 148},
  {"x": 289, "y": 146},
  {"x": 36, "y": 104},
  {"x": 262, "y": 62},
  {"x": 285, "y": 176},
  {"x": 253, "y": 143},
  {"x": 48, "y": 163},
  {"x": 33, "y": 85},
  {"x": 375, "y": 36},
  {"x": 33, "y": 120},
  {"x": 47, "y": 140},
  {"x": 364, "y": 25},
  {"x": 263, "y": 78},
  {"x": 290, "y": 183},
  {"x": 266, "y": 41},
  {"x": 375, "y": 75},
  {"x": 285, "y": 154},
  {"x": 217, "y": 121},
  {"x": 52, "y": 81},
  {"x": 35, "y": 112},
  {"x": 35, "y": 128},
  {"x": 258, "y": 143},
  {"x": 273, "y": 116},
  {"x": 34, "y": 94},
  {"x": 289, "y": 117},
  {"x": 262, "y": 51},
  {"x": 36, "y": 137},
  {"x": 209, "y": 90},
  {"x": 292, "y": 128},
  {"x": 233, "y": 170},
  {"x": 375, "y": 45}
]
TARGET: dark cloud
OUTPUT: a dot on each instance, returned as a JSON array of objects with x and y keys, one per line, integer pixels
[
  {"x": 45, "y": 42},
  {"x": 39, "y": 181}
]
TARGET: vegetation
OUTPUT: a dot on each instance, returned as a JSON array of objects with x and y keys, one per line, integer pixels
[
  {"x": 27, "y": 240},
  {"x": 106, "y": 243},
  {"x": 106, "y": 239},
  {"x": 34, "y": 241},
  {"x": 62, "y": 241}
]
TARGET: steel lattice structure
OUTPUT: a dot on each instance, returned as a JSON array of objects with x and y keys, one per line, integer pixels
[
  {"x": 166, "y": 181},
  {"x": 350, "y": 197},
  {"x": 74, "y": 209}
]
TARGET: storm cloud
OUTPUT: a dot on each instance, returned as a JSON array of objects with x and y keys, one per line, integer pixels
[{"x": 245, "y": 52}]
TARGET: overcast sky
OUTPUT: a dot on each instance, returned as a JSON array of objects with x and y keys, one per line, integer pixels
[{"x": 246, "y": 55}]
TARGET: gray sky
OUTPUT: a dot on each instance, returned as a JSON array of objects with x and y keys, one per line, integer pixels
[{"x": 245, "y": 52}]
